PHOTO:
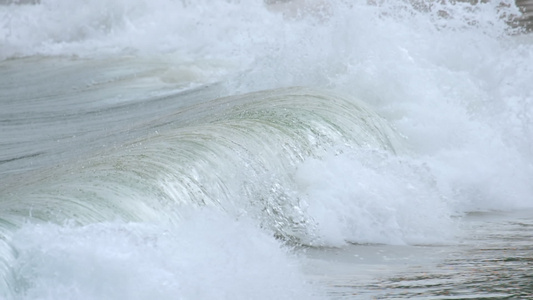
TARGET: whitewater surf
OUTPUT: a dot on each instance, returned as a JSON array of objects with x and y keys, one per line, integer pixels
[{"x": 265, "y": 150}]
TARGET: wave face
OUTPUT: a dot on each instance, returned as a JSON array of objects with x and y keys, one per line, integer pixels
[
  {"x": 174, "y": 148},
  {"x": 214, "y": 154}
]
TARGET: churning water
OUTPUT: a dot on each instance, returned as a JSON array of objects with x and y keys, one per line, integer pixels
[{"x": 217, "y": 149}]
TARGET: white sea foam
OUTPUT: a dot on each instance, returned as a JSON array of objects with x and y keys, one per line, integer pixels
[
  {"x": 374, "y": 198},
  {"x": 207, "y": 256}
]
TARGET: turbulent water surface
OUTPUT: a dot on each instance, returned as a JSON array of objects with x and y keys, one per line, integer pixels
[{"x": 302, "y": 149}]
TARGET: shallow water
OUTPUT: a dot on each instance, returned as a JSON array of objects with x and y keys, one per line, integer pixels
[{"x": 491, "y": 260}]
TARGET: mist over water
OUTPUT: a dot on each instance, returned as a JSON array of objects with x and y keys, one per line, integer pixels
[{"x": 196, "y": 147}]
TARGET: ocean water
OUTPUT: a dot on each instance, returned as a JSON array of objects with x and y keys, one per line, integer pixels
[{"x": 304, "y": 149}]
